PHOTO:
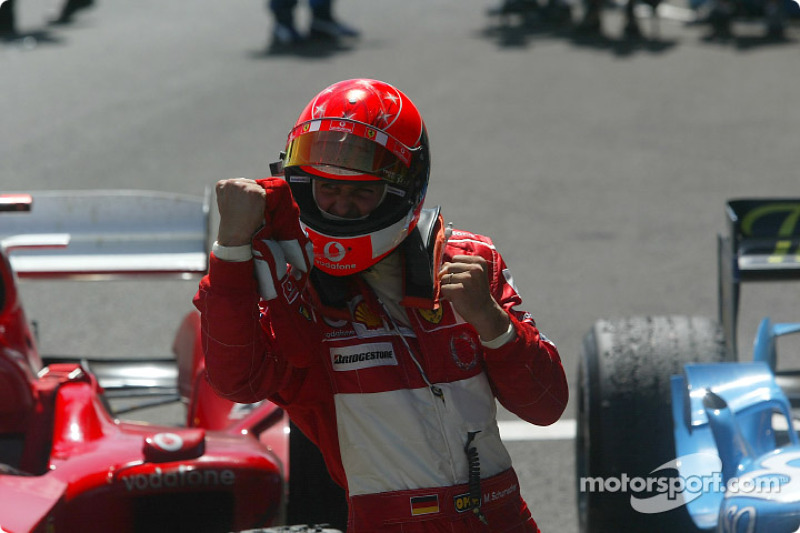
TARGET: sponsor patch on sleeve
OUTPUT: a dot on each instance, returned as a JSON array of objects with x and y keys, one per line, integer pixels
[{"x": 345, "y": 358}]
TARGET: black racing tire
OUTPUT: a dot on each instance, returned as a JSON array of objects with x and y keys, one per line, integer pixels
[
  {"x": 624, "y": 421},
  {"x": 314, "y": 498}
]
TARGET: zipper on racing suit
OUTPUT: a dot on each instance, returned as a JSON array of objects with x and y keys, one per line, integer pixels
[
  {"x": 437, "y": 391},
  {"x": 473, "y": 461}
]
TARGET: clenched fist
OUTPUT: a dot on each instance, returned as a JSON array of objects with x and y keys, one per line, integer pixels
[
  {"x": 465, "y": 283},
  {"x": 241, "y": 203}
]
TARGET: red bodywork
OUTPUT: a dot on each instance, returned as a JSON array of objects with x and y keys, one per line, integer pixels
[{"x": 66, "y": 464}]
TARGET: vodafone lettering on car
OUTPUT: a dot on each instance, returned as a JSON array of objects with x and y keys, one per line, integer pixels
[{"x": 181, "y": 477}]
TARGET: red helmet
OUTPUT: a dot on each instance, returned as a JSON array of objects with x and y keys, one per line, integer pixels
[{"x": 359, "y": 130}]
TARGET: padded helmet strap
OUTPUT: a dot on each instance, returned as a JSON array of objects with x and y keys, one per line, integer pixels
[{"x": 422, "y": 253}]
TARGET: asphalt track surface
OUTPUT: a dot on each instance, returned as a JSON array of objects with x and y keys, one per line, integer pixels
[{"x": 599, "y": 166}]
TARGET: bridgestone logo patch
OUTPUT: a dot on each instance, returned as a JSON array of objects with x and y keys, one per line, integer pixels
[{"x": 363, "y": 356}]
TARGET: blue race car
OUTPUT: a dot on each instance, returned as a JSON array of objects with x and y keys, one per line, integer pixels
[{"x": 676, "y": 433}]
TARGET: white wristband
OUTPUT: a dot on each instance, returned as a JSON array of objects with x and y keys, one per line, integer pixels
[
  {"x": 509, "y": 335},
  {"x": 235, "y": 254}
]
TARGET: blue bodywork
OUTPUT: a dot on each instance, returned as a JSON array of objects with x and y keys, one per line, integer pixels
[{"x": 735, "y": 418}]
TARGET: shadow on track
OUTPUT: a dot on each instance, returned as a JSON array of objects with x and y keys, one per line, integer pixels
[
  {"x": 522, "y": 30},
  {"x": 748, "y": 34},
  {"x": 30, "y": 40},
  {"x": 308, "y": 49}
]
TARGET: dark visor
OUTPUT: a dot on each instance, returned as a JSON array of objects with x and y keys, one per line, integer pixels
[{"x": 352, "y": 146}]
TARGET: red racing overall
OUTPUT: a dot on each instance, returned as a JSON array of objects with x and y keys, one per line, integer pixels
[{"x": 403, "y": 412}]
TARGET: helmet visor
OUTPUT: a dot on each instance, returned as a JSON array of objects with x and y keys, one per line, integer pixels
[{"x": 352, "y": 146}]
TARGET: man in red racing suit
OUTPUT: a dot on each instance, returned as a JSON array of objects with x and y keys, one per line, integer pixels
[{"x": 395, "y": 389}]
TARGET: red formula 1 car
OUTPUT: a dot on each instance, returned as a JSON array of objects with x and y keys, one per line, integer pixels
[{"x": 67, "y": 463}]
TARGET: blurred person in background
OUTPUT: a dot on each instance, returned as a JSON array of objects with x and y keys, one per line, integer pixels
[
  {"x": 70, "y": 8},
  {"x": 323, "y": 24},
  {"x": 8, "y": 27},
  {"x": 591, "y": 23},
  {"x": 722, "y": 13}
]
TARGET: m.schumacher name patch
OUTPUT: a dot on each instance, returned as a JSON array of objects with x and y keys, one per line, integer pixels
[{"x": 362, "y": 356}]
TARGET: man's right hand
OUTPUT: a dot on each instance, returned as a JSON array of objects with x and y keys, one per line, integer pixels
[
  {"x": 241, "y": 204},
  {"x": 263, "y": 214}
]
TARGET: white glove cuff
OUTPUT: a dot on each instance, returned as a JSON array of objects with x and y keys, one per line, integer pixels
[
  {"x": 236, "y": 254},
  {"x": 497, "y": 342}
]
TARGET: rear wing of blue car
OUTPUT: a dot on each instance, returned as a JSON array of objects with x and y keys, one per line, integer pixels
[
  {"x": 105, "y": 234},
  {"x": 763, "y": 244}
]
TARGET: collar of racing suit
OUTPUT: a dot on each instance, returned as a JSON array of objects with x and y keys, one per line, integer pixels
[{"x": 407, "y": 277}]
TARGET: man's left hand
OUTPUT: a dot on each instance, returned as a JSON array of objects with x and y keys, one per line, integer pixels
[{"x": 465, "y": 283}]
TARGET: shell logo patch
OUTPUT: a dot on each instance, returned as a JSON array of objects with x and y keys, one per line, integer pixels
[{"x": 366, "y": 316}]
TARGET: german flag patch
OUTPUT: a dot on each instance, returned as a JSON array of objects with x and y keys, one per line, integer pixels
[{"x": 424, "y": 505}]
